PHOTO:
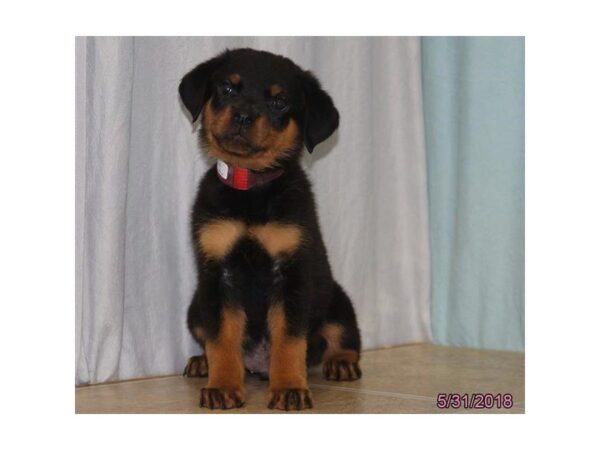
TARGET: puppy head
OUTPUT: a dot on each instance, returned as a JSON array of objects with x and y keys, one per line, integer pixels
[{"x": 258, "y": 109}]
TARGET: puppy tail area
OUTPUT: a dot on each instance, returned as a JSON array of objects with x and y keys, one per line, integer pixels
[{"x": 337, "y": 343}]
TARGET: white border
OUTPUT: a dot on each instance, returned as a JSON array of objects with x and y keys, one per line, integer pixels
[{"x": 37, "y": 193}]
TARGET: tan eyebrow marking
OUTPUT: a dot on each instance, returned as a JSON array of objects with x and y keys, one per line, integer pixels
[
  {"x": 275, "y": 89},
  {"x": 235, "y": 78}
]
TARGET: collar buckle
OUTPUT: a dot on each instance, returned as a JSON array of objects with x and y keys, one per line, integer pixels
[{"x": 244, "y": 179}]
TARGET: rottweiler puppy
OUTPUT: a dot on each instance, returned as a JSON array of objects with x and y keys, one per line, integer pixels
[{"x": 266, "y": 300}]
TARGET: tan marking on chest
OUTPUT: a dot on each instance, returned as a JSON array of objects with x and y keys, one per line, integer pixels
[
  {"x": 217, "y": 238},
  {"x": 277, "y": 239}
]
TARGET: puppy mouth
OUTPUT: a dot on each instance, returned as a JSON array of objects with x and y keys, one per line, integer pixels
[{"x": 237, "y": 144}]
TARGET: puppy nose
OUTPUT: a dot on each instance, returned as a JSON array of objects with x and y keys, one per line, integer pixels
[{"x": 243, "y": 118}]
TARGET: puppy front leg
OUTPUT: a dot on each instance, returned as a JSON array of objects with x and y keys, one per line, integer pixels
[
  {"x": 288, "y": 388},
  {"x": 225, "y": 387}
]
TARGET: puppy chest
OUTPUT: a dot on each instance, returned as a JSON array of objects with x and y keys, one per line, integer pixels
[
  {"x": 218, "y": 238},
  {"x": 256, "y": 358}
]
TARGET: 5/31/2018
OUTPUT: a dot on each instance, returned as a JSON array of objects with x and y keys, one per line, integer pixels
[{"x": 474, "y": 401}]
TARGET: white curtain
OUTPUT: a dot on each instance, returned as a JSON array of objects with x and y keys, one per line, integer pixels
[{"x": 138, "y": 165}]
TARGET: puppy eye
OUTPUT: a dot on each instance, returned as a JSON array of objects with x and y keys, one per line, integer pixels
[
  {"x": 227, "y": 89},
  {"x": 279, "y": 103}
]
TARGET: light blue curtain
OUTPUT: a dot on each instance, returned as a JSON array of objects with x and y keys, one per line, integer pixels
[{"x": 473, "y": 92}]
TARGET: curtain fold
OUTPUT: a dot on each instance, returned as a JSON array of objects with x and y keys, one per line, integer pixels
[
  {"x": 138, "y": 165},
  {"x": 473, "y": 93},
  {"x": 106, "y": 101}
]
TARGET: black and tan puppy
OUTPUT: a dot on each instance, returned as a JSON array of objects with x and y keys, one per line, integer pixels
[{"x": 266, "y": 300}]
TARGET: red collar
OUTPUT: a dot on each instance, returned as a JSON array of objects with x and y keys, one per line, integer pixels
[{"x": 244, "y": 179}]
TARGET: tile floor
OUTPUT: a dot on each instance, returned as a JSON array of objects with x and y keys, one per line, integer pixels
[{"x": 404, "y": 379}]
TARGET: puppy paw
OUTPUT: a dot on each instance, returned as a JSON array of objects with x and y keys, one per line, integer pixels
[
  {"x": 197, "y": 366},
  {"x": 341, "y": 370},
  {"x": 290, "y": 399},
  {"x": 217, "y": 398}
]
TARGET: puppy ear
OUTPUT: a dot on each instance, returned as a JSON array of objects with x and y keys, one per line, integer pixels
[
  {"x": 193, "y": 88},
  {"x": 322, "y": 118}
]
